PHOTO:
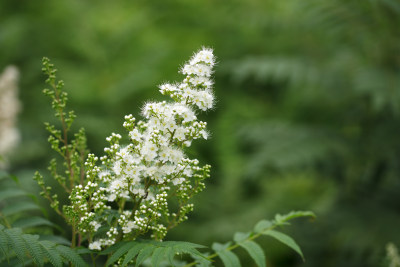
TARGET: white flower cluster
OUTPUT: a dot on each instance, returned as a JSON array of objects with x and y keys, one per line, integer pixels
[
  {"x": 9, "y": 108},
  {"x": 130, "y": 194}
]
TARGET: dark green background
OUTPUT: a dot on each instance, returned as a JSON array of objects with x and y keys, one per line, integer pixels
[{"x": 307, "y": 114}]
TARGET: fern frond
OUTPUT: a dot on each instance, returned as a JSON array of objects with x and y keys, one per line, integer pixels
[
  {"x": 144, "y": 253},
  {"x": 56, "y": 239},
  {"x": 279, "y": 69},
  {"x": 31, "y": 222},
  {"x": 157, "y": 251},
  {"x": 51, "y": 253},
  {"x": 15, "y": 203},
  {"x": 28, "y": 248},
  {"x": 71, "y": 255},
  {"x": 16, "y": 242},
  {"x": 132, "y": 253},
  {"x": 11, "y": 193},
  {"x": 19, "y": 207},
  {"x": 282, "y": 145},
  {"x": 34, "y": 249}
]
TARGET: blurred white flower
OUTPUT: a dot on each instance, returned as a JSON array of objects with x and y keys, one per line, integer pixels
[{"x": 9, "y": 108}]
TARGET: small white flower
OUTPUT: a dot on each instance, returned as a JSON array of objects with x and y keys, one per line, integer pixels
[
  {"x": 135, "y": 135},
  {"x": 178, "y": 181},
  {"x": 96, "y": 225},
  {"x": 96, "y": 245}
]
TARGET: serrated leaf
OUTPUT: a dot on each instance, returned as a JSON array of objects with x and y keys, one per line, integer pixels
[
  {"x": 71, "y": 256},
  {"x": 201, "y": 262},
  {"x": 36, "y": 252},
  {"x": 255, "y": 252},
  {"x": 82, "y": 250},
  {"x": 16, "y": 242},
  {"x": 31, "y": 222},
  {"x": 55, "y": 239},
  {"x": 113, "y": 248},
  {"x": 181, "y": 244},
  {"x": 11, "y": 193},
  {"x": 157, "y": 256},
  {"x": 118, "y": 253},
  {"x": 228, "y": 257},
  {"x": 285, "y": 239},
  {"x": 14, "y": 262},
  {"x": 218, "y": 246},
  {"x": 240, "y": 237},
  {"x": 3, "y": 242},
  {"x": 144, "y": 254},
  {"x": 51, "y": 253},
  {"x": 132, "y": 253},
  {"x": 170, "y": 254},
  {"x": 185, "y": 247},
  {"x": 18, "y": 207},
  {"x": 262, "y": 226}
]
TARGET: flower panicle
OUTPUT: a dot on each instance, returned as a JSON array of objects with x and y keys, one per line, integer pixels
[{"x": 131, "y": 192}]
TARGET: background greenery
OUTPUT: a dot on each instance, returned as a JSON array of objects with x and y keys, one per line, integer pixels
[{"x": 308, "y": 111}]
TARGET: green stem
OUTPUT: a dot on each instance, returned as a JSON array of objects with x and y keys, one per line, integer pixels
[
  {"x": 65, "y": 136},
  {"x": 252, "y": 237},
  {"x": 73, "y": 235},
  {"x": 93, "y": 259}
]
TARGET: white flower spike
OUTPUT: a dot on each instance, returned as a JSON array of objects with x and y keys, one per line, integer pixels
[{"x": 131, "y": 193}]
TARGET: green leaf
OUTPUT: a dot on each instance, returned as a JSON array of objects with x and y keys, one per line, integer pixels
[
  {"x": 118, "y": 254},
  {"x": 16, "y": 242},
  {"x": 3, "y": 241},
  {"x": 11, "y": 193},
  {"x": 31, "y": 222},
  {"x": 71, "y": 256},
  {"x": 228, "y": 257},
  {"x": 144, "y": 254},
  {"x": 113, "y": 248},
  {"x": 50, "y": 252},
  {"x": 282, "y": 219},
  {"x": 285, "y": 239},
  {"x": 240, "y": 237},
  {"x": 82, "y": 250},
  {"x": 182, "y": 244},
  {"x": 14, "y": 262},
  {"x": 19, "y": 207},
  {"x": 255, "y": 252},
  {"x": 185, "y": 247},
  {"x": 55, "y": 239},
  {"x": 32, "y": 244},
  {"x": 202, "y": 261},
  {"x": 132, "y": 253},
  {"x": 262, "y": 226},
  {"x": 170, "y": 254},
  {"x": 157, "y": 256}
]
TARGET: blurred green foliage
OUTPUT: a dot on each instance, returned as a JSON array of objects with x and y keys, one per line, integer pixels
[{"x": 308, "y": 110}]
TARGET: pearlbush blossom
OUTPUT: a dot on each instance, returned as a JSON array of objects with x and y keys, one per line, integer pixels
[{"x": 146, "y": 185}]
